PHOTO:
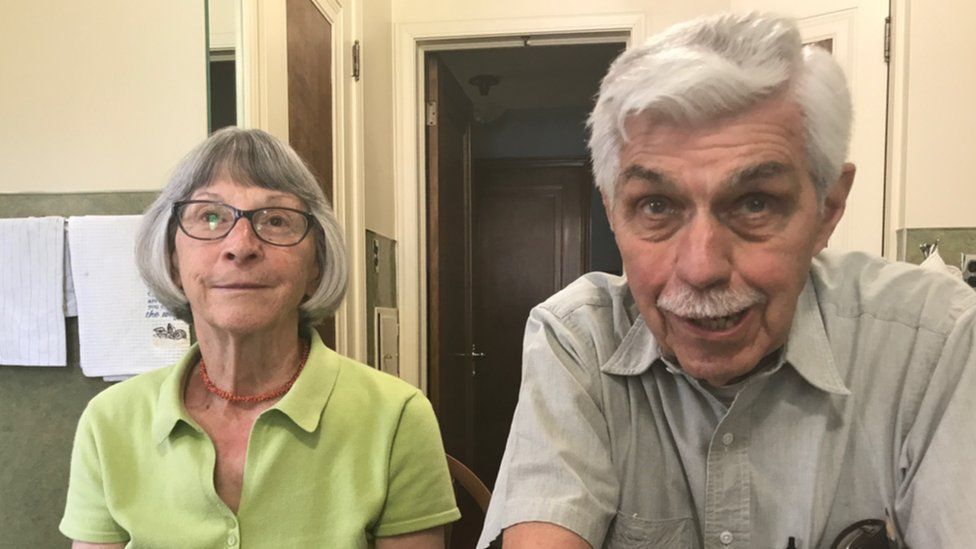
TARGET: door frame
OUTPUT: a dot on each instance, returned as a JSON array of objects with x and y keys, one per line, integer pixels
[
  {"x": 263, "y": 103},
  {"x": 411, "y": 41}
]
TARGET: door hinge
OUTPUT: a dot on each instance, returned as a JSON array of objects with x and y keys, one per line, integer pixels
[
  {"x": 887, "y": 39},
  {"x": 356, "y": 60},
  {"x": 432, "y": 113}
]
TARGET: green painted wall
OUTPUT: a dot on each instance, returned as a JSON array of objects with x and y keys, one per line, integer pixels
[
  {"x": 39, "y": 407},
  {"x": 952, "y": 243}
]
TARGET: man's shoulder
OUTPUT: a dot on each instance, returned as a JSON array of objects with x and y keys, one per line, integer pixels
[
  {"x": 594, "y": 292},
  {"x": 854, "y": 284}
]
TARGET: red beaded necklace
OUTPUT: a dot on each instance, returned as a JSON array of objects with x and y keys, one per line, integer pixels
[{"x": 274, "y": 393}]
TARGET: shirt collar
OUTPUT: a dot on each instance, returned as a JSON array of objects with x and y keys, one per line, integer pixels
[
  {"x": 169, "y": 404},
  {"x": 807, "y": 349},
  {"x": 307, "y": 398},
  {"x": 636, "y": 352},
  {"x": 303, "y": 403}
]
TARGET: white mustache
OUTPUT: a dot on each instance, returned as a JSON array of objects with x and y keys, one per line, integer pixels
[{"x": 687, "y": 302}]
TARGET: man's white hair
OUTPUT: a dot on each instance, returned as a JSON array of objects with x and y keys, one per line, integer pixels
[{"x": 717, "y": 66}]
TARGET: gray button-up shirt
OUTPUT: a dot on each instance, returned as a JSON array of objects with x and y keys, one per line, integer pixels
[{"x": 870, "y": 411}]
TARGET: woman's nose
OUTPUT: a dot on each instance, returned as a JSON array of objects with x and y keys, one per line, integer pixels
[{"x": 242, "y": 243}]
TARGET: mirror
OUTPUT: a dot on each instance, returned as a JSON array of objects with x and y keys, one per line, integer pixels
[{"x": 223, "y": 63}]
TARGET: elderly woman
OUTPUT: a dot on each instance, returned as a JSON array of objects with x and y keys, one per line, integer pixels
[{"x": 261, "y": 436}]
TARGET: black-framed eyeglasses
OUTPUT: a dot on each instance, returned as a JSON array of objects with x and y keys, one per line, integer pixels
[{"x": 212, "y": 220}]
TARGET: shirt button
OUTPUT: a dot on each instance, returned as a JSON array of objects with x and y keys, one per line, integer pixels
[
  {"x": 726, "y": 537},
  {"x": 727, "y": 438},
  {"x": 231, "y": 540}
]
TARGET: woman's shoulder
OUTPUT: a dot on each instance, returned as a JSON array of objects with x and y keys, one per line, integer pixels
[
  {"x": 129, "y": 398},
  {"x": 375, "y": 383}
]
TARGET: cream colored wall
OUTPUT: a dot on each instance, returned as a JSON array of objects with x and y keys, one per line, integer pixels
[
  {"x": 378, "y": 117},
  {"x": 223, "y": 23},
  {"x": 940, "y": 115},
  {"x": 102, "y": 96},
  {"x": 659, "y": 14}
]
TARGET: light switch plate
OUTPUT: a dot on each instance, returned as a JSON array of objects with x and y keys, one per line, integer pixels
[{"x": 968, "y": 266}]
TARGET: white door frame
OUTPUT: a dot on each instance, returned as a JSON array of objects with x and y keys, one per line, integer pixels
[
  {"x": 410, "y": 42},
  {"x": 264, "y": 104},
  {"x": 897, "y": 181}
]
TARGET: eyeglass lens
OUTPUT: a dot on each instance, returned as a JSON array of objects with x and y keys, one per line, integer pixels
[{"x": 213, "y": 220}]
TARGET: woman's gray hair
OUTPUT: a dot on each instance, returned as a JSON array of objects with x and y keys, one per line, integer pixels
[
  {"x": 717, "y": 66},
  {"x": 250, "y": 157}
]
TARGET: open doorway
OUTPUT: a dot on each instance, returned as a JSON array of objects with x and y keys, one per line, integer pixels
[{"x": 512, "y": 217}]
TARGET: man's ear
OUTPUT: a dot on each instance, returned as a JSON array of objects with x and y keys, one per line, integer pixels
[
  {"x": 608, "y": 208},
  {"x": 835, "y": 202}
]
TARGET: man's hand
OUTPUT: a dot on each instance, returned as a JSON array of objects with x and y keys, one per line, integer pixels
[{"x": 541, "y": 535}]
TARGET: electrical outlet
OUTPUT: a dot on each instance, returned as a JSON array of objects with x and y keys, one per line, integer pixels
[{"x": 968, "y": 267}]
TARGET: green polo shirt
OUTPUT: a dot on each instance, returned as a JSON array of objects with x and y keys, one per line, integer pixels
[{"x": 349, "y": 454}]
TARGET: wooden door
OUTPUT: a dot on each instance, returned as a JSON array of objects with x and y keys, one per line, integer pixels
[
  {"x": 310, "y": 101},
  {"x": 449, "y": 116},
  {"x": 530, "y": 234},
  {"x": 448, "y": 256}
]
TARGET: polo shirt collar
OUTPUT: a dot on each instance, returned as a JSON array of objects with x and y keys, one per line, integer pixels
[
  {"x": 169, "y": 404},
  {"x": 807, "y": 349},
  {"x": 307, "y": 398},
  {"x": 303, "y": 403}
]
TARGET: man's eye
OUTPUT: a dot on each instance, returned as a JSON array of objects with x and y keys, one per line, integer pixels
[
  {"x": 657, "y": 206},
  {"x": 755, "y": 204}
]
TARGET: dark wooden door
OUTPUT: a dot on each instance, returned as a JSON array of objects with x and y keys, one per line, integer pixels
[
  {"x": 448, "y": 252},
  {"x": 529, "y": 241},
  {"x": 310, "y": 101},
  {"x": 449, "y": 115},
  {"x": 501, "y": 238}
]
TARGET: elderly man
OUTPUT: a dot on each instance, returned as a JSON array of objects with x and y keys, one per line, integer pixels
[{"x": 738, "y": 388}]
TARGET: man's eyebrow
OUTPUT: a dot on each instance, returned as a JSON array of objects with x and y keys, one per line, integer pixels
[
  {"x": 758, "y": 172},
  {"x": 650, "y": 176}
]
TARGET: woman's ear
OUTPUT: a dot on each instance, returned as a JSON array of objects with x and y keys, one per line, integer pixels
[
  {"x": 174, "y": 270},
  {"x": 314, "y": 278}
]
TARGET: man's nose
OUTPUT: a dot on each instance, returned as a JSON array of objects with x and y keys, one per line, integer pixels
[
  {"x": 704, "y": 256},
  {"x": 241, "y": 243}
]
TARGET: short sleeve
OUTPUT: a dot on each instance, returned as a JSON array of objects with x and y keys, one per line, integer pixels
[
  {"x": 936, "y": 500},
  {"x": 420, "y": 494},
  {"x": 557, "y": 465},
  {"x": 86, "y": 514}
]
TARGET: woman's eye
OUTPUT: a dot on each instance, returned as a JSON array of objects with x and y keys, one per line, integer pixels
[
  {"x": 211, "y": 218},
  {"x": 277, "y": 221}
]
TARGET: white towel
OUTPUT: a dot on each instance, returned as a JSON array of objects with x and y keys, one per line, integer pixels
[
  {"x": 934, "y": 262},
  {"x": 32, "y": 292},
  {"x": 121, "y": 327}
]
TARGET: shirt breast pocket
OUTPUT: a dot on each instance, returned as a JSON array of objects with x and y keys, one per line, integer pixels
[{"x": 629, "y": 532}]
